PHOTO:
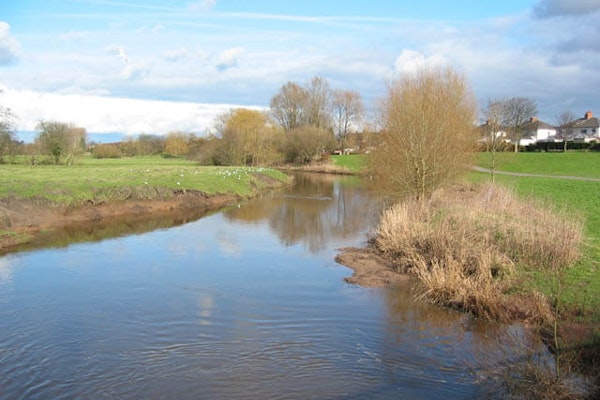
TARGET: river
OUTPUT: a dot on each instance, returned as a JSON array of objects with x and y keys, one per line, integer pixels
[{"x": 246, "y": 303}]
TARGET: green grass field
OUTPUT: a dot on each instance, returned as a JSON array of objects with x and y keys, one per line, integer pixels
[
  {"x": 101, "y": 179},
  {"x": 584, "y": 164},
  {"x": 354, "y": 162},
  {"x": 575, "y": 196}
]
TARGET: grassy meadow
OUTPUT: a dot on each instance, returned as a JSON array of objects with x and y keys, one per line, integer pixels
[
  {"x": 578, "y": 198},
  {"x": 106, "y": 179},
  {"x": 582, "y": 164}
]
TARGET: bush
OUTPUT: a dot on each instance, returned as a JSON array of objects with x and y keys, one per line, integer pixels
[
  {"x": 427, "y": 137},
  {"x": 107, "y": 150},
  {"x": 464, "y": 244}
]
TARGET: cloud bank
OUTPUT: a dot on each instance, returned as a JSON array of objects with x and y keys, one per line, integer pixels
[
  {"x": 192, "y": 53},
  {"x": 98, "y": 114}
]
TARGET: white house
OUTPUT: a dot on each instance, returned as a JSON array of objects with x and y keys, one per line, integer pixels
[
  {"x": 585, "y": 129},
  {"x": 536, "y": 130}
]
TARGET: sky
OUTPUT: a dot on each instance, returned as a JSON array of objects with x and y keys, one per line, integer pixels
[{"x": 150, "y": 66}]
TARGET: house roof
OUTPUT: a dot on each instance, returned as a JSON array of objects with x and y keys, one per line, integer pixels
[
  {"x": 585, "y": 123},
  {"x": 588, "y": 121},
  {"x": 536, "y": 125}
]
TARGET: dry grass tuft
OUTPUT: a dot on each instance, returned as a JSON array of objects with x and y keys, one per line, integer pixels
[{"x": 465, "y": 242}]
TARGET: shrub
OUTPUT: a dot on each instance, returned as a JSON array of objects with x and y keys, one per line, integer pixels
[
  {"x": 464, "y": 244},
  {"x": 107, "y": 150}
]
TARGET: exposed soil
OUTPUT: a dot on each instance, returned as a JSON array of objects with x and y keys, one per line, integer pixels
[
  {"x": 370, "y": 269},
  {"x": 28, "y": 218}
]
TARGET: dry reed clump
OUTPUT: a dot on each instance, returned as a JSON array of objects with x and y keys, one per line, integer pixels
[{"x": 465, "y": 242}]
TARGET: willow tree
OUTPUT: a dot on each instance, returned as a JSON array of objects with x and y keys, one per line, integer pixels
[
  {"x": 247, "y": 137},
  {"x": 428, "y": 133}
]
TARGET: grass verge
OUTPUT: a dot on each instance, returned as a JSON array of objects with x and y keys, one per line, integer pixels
[
  {"x": 119, "y": 179},
  {"x": 37, "y": 198}
]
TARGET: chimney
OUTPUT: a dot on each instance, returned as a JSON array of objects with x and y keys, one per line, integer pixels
[
  {"x": 588, "y": 115},
  {"x": 533, "y": 119}
]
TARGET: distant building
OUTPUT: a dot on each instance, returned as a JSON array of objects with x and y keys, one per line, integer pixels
[
  {"x": 586, "y": 129},
  {"x": 536, "y": 130}
]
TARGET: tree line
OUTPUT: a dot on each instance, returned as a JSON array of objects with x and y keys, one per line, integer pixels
[
  {"x": 427, "y": 130},
  {"x": 305, "y": 121}
]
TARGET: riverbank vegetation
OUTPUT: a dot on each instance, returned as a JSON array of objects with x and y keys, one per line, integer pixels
[
  {"x": 116, "y": 179},
  {"x": 33, "y": 197},
  {"x": 471, "y": 244},
  {"x": 497, "y": 253},
  {"x": 427, "y": 136}
]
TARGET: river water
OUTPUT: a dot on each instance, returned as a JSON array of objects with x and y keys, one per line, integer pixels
[{"x": 247, "y": 303}]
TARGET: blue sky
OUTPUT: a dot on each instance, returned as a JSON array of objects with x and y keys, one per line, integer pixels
[{"x": 154, "y": 66}]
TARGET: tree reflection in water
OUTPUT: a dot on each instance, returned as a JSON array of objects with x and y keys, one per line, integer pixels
[{"x": 316, "y": 209}]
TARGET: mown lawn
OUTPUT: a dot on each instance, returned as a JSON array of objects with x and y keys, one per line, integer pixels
[
  {"x": 584, "y": 164},
  {"x": 354, "y": 162},
  {"x": 100, "y": 179},
  {"x": 580, "y": 198}
]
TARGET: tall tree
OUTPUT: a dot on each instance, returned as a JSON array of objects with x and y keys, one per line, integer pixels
[
  {"x": 295, "y": 105},
  {"x": 347, "y": 113},
  {"x": 318, "y": 107},
  {"x": 428, "y": 133},
  {"x": 563, "y": 120},
  {"x": 517, "y": 111},
  {"x": 288, "y": 106}
]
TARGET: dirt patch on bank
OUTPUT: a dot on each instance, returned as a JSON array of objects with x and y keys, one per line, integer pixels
[
  {"x": 23, "y": 220},
  {"x": 370, "y": 269}
]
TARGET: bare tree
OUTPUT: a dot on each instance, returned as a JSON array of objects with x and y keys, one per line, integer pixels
[
  {"x": 304, "y": 110},
  {"x": 295, "y": 105},
  {"x": 347, "y": 113},
  {"x": 288, "y": 106},
  {"x": 517, "y": 111},
  {"x": 428, "y": 133},
  {"x": 494, "y": 115},
  {"x": 563, "y": 120},
  {"x": 318, "y": 108}
]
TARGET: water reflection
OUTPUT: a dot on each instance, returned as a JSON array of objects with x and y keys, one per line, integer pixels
[
  {"x": 315, "y": 210},
  {"x": 110, "y": 228},
  {"x": 245, "y": 304}
]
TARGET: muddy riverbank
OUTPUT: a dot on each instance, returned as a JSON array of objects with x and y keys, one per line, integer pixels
[{"x": 24, "y": 220}]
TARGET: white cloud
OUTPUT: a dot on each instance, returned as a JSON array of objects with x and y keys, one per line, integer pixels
[
  {"x": 9, "y": 46},
  {"x": 100, "y": 114},
  {"x": 410, "y": 61},
  {"x": 229, "y": 58}
]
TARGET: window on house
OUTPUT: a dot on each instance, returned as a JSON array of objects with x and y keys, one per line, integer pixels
[{"x": 584, "y": 131}]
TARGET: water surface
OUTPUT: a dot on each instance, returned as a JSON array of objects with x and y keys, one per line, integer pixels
[{"x": 242, "y": 304}]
